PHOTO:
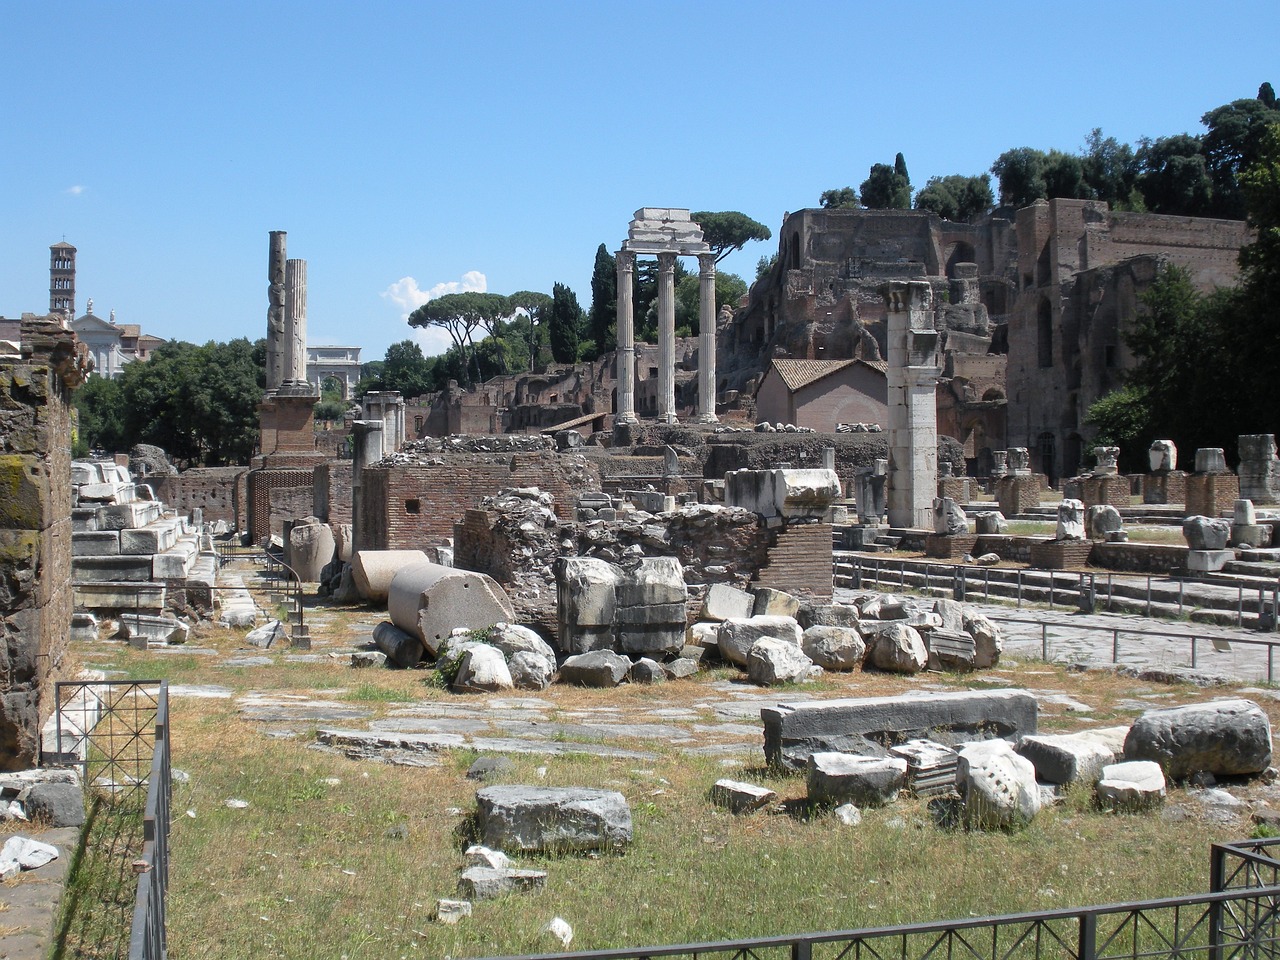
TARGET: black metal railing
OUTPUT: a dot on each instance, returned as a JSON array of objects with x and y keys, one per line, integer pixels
[
  {"x": 108, "y": 729},
  {"x": 1233, "y": 923},
  {"x": 147, "y": 935},
  {"x": 1074, "y": 590},
  {"x": 117, "y": 732},
  {"x": 283, "y": 581}
]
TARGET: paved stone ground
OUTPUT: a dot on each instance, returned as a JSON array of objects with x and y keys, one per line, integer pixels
[{"x": 32, "y": 900}]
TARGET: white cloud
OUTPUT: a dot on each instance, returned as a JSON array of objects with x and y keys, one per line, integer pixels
[
  {"x": 75, "y": 190},
  {"x": 408, "y": 296}
]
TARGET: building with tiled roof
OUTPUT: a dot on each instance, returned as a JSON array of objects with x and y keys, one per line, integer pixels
[{"x": 823, "y": 393}]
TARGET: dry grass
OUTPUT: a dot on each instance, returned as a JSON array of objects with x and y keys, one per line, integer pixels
[{"x": 336, "y": 858}]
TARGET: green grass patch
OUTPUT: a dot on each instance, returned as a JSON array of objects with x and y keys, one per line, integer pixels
[{"x": 373, "y": 693}]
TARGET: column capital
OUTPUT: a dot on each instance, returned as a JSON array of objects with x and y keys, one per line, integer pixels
[
  {"x": 626, "y": 259},
  {"x": 707, "y": 263},
  {"x": 667, "y": 261}
]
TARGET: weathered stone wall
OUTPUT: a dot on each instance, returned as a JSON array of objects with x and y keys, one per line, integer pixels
[
  {"x": 1081, "y": 270},
  {"x": 765, "y": 451},
  {"x": 332, "y": 490},
  {"x": 36, "y": 426},
  {"x": 517, "y": 540},
  {"x": 408, "y": 506},
  {"x": 216, "y": 491}
]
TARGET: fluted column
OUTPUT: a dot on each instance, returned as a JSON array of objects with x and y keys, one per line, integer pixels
[
  {"x": 666, "y": 338},
  {"x": 707, "y": 338},
  {"x": 294, "y": 353},
  {"x": 625, "y": 409}
]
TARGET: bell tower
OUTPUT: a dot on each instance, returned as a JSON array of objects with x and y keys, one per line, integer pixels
[{"x": 62, "y": 280}]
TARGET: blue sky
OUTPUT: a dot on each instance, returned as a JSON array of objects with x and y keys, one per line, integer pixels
[{"x": 412, "y": 147}]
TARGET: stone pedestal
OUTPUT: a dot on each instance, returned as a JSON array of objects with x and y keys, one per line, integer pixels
[
  {"x": 1208, "y": 561},
  {"x": 1060, "y": 554},
  {"x": 956, "y": 488},
  {"x": 1259, "y": 468},
  {"x": 1109, "y": 489},
  {"x": 1167, "y": 487},
  {"x": 1211, "y": 494},
  {"x": 287, "y": 424},
  {"x": 1017, "y": 494},
  {"x": 949, "y": 547}
]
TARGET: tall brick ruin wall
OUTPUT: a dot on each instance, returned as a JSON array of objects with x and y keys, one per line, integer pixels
[
  {"x": 36, "y": 426},
  {"x": 218, "y": 492},
  {"x": 414, "y": 506}
]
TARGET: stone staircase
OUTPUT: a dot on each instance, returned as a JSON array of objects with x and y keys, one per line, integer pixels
[{"x": 134, "y": 560}]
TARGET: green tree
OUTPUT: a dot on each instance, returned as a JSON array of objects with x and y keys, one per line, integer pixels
[
  {"x": 534, "y": 307},
  {"x": 1174, "y": 176},
  {"x": 1110, "y": 170},
  {"x": 460, "y": 315},
  {"x": 887, "y": 187},
  {"x": 1258, "y": 322},
  {"x": 845, "y": 198},
  {"x": 604, "y": 302},
  {"x": 1020, "y": 173},
  {"x": 730, "y": 288},
  {"x": 1064, "y": 177},
  {"x": 765, "y": 264},
  {"x": 729, "y": 230},
  {"x": 100, "y": 427},
  {"x": 404, "y": 368},
  {"x": 1233, "y": 141},
  {"x": 199, "y": 403},
  {"x": 956, "y": 198},
  {"x": 564, "y": 321}
]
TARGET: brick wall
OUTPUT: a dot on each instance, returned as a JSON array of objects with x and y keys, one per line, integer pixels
[
  {"x": 411, "y": 506},
  {"x": 216, "y": 491},
  {"x": 800, "y": 562},
  {"x": 1211, "y": 494},
  {"x": 264, "y": 518},
  {"x": 332, "y": 482},
  {"x": 36, "y": 426},
  {"x": 1113, "y": 491}
]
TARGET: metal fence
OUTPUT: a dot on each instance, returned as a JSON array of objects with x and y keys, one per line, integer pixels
[
  {"x": 118, "y": 733},
  {"x": 1238, "y": 922},
  {"x": 283, "y": 582},
  {"x": 1080, "y": 591}
]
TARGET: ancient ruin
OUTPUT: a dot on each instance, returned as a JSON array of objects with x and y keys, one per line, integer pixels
[{"x": 666, "y": 233}]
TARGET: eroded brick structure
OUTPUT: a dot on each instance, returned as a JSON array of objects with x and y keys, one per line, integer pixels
[{"x": 36, "y": 425}]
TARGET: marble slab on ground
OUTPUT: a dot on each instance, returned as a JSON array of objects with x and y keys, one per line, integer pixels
[
  {"x": 247, "y": 662},
  {"x": 294, "y": 711},
  {"x": 430, "y": 725},
  {"x": 201, "y": 691}
]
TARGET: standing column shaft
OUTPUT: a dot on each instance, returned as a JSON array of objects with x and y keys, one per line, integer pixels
[
  {"x": 275, "y": 310},
  {"x": 707, "y": 338},
  {"x": 913, "y": 423},
  {"x": 666, "y": 338},
  {"x": 366, "y": 437},
  {"x": 295, "y": 325},
  {"x": 625, "y": 410}
]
